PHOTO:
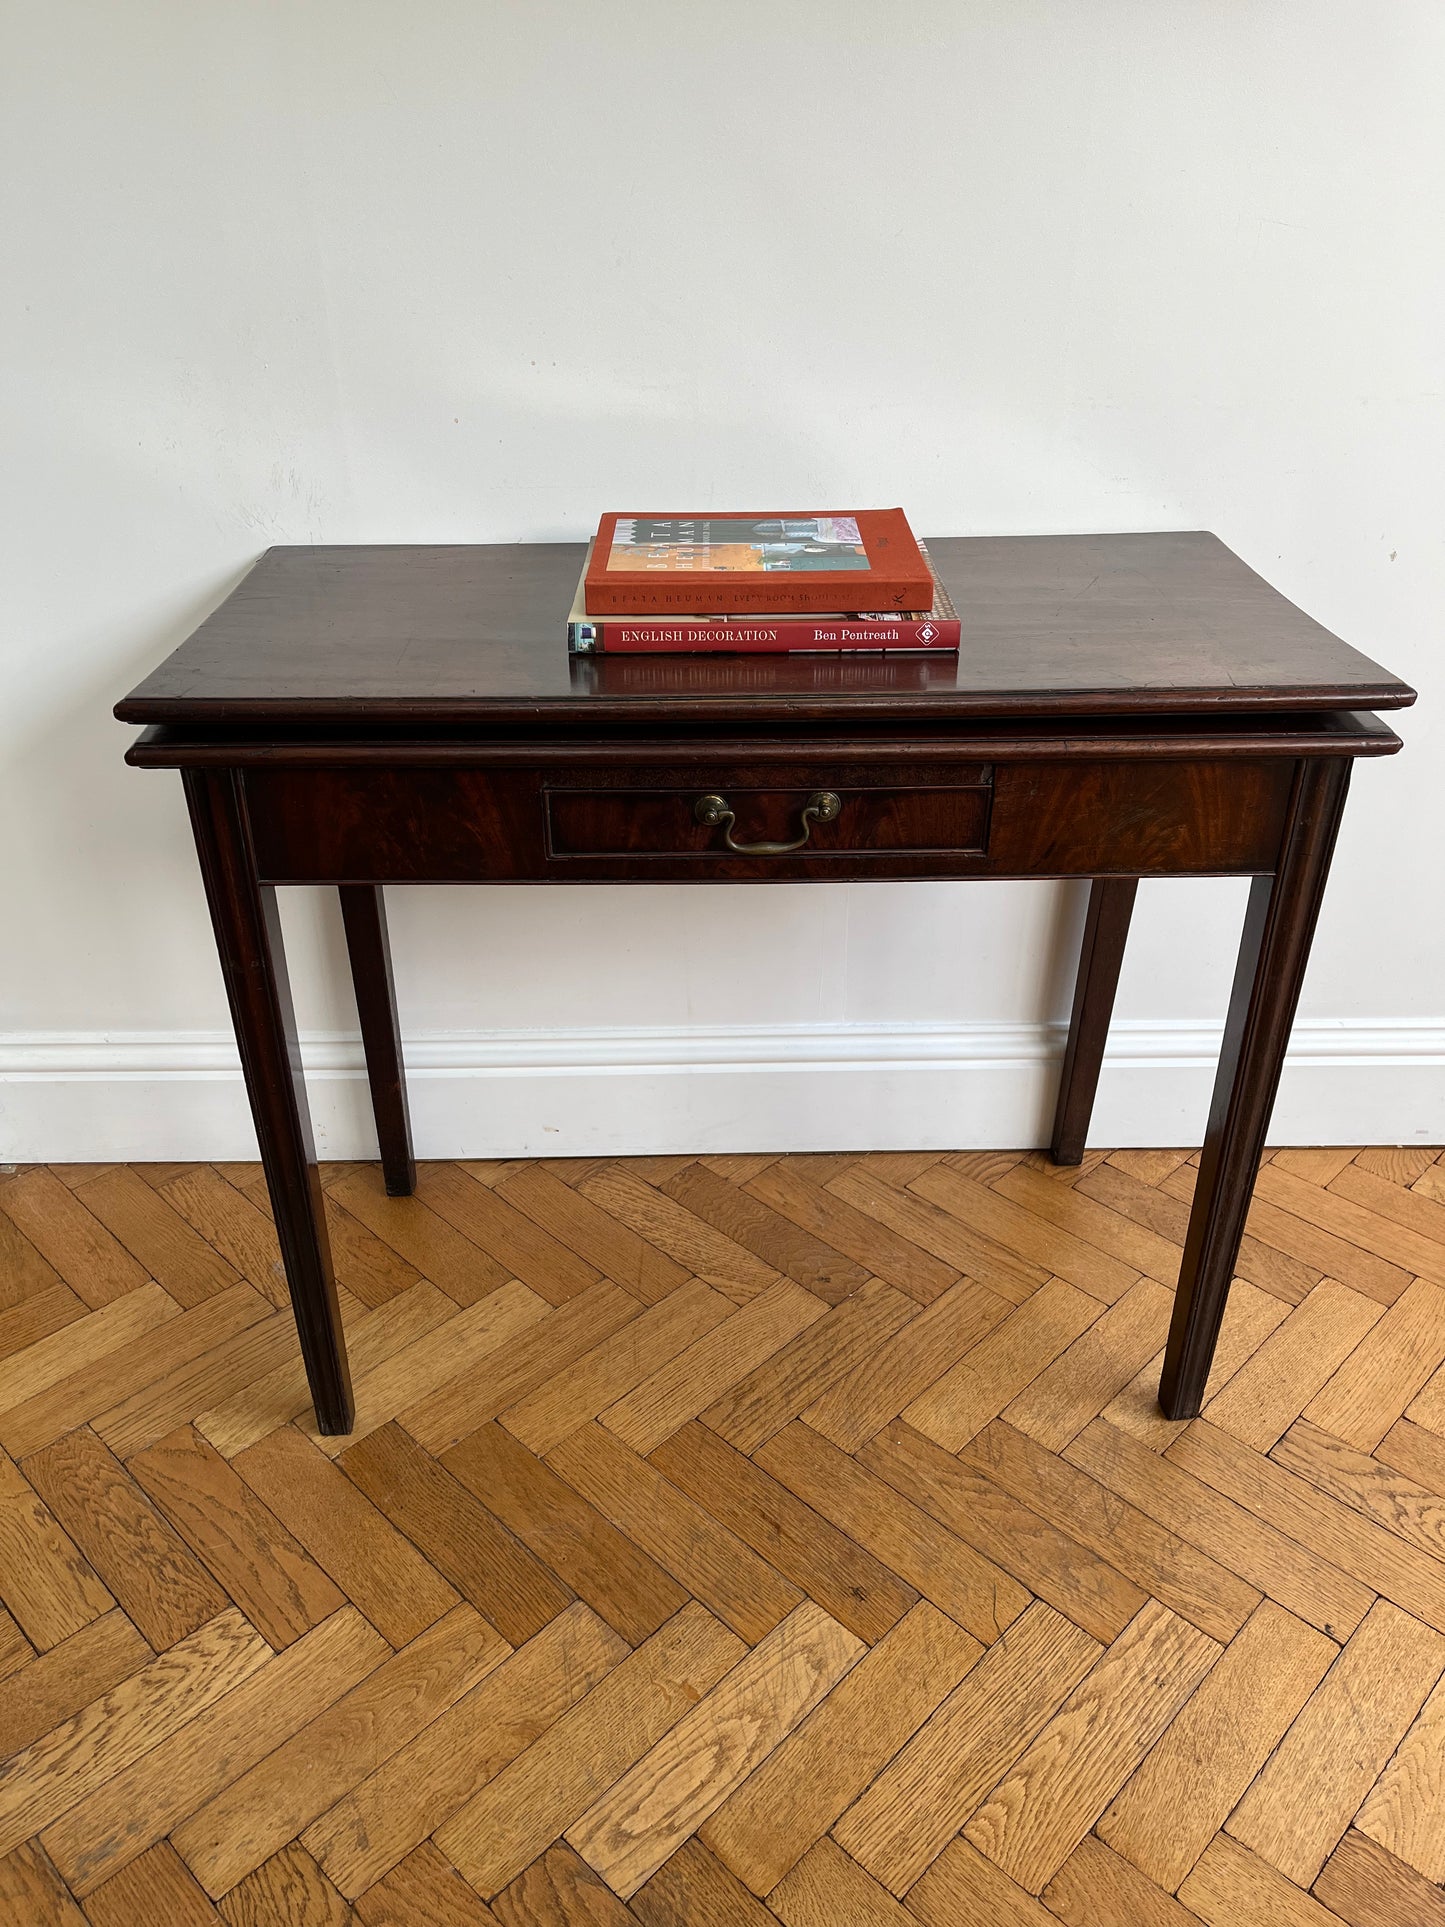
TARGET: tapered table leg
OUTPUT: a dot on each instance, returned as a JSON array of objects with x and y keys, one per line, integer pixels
[
  {"x": 363, "y": 911},
  {"x": 253, "y": 963},
  {"x": 1106, "y": 929},
  {"x": 1278, "y": 927}
]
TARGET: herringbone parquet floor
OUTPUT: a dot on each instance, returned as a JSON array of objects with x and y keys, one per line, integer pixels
[{"x": 727, "y": 1540}]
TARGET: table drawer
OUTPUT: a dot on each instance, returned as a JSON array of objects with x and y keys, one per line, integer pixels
[
  {"x": 631, "y": 822},
  {"x": 715, "y": 819}
]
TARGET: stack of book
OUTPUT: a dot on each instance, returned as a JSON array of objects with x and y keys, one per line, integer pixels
[{"x": 759, "y": 584}]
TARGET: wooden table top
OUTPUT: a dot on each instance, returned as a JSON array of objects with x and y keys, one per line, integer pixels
[{"x": 1053, "y": 625}]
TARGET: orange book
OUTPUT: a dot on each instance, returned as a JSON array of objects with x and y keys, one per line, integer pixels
[{"x": 789, "y": 562}]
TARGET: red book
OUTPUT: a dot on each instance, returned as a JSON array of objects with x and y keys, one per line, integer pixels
[
  {"x": 767, "y": 563},
  {"x": 935, "y": 627}
]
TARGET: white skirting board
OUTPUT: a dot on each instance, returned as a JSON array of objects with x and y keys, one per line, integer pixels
[{"x": 80, "y": 1097}]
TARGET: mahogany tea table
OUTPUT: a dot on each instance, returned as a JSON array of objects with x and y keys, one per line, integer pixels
[{"x": 1123, "y": 706}]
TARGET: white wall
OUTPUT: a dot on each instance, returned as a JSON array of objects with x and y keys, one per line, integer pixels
[{"x": 342, "y": 271}]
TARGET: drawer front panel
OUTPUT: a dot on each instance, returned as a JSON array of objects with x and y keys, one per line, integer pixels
[{"x": 869, "y": 822}]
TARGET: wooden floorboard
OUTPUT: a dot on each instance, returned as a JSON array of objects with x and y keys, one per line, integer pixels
[{"x": 724, "y": 1541}]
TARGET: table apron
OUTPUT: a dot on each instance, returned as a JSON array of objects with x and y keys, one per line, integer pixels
[{"x": 403, "y": 824}]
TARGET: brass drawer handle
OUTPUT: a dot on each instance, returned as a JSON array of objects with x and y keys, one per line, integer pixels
[{"x": 821, "y": 807}]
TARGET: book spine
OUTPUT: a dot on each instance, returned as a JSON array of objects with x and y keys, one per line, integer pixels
[
  {"x": 697, "y": 596},
  {"x": 783, "y": 638}
]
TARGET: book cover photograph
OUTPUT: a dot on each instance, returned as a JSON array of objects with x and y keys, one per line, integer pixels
[
  {"x": 727, "y": 543},
  {"x": 859, "y": 561}
]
